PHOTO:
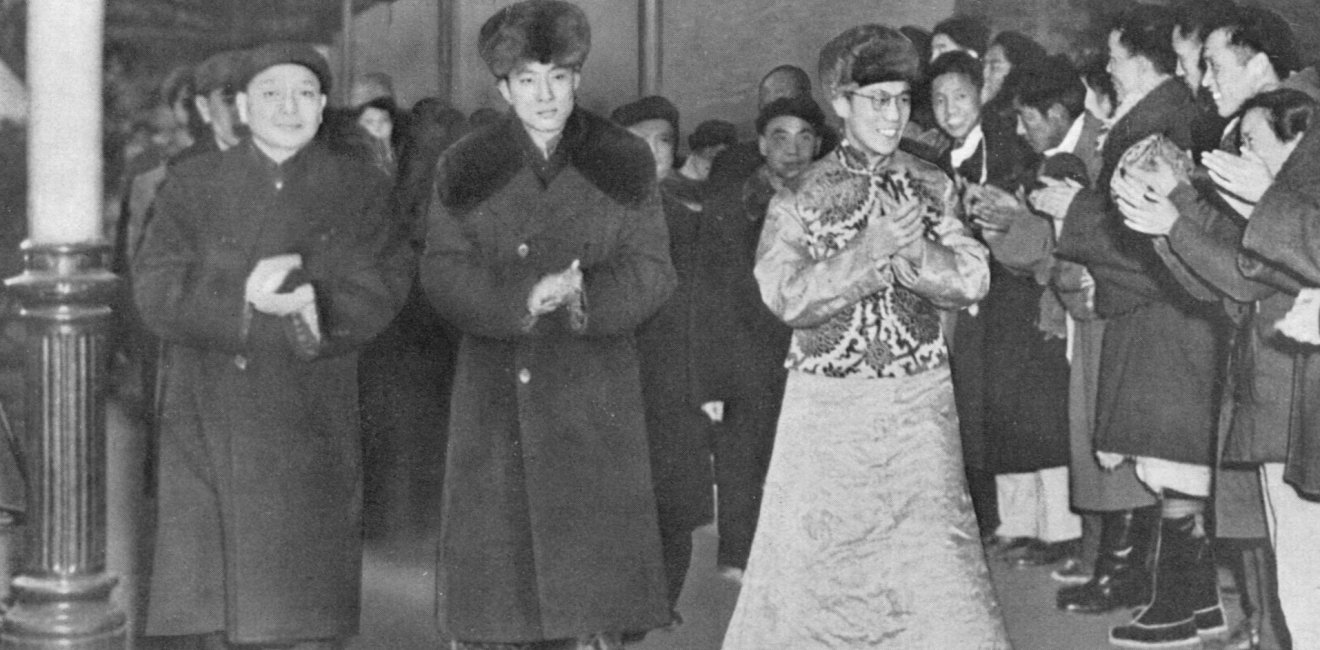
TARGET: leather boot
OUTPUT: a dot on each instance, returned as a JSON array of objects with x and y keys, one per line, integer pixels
[
  {"x": 1121, "y": 578},
  {"x": 1207, "y": 608},
  {"x": 1169, "y": 620}
]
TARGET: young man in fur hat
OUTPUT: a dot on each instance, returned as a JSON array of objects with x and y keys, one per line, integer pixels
[
  {"x": 866, "y": 535},
  {"x": 546, "y": 247},
  {"x": 265, "y": 268}
]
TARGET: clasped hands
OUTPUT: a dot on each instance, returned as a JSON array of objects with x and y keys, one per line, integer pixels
[
  {"x": 900, "y": 233},
  {"x": 993, "y": 210},
  {"x": 263, "y": 283},
  {"x": 555, "y": 290}
]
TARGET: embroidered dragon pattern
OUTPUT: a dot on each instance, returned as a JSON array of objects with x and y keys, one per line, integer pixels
[{"x": 893, "y": 332}]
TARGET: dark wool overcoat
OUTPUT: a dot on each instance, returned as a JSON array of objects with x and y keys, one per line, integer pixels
[
  {"x": 1285, "y": 231},
  {"x": 1160, "y": 363},
  {"x": 259, "y": 468},
  {"x": 549, "y": 522},
  {"x": 1010, "y": 380},
  {"x": 667, "y": 344}
]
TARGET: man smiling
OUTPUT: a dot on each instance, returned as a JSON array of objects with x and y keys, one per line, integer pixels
[{"x": 266, "y": 267}]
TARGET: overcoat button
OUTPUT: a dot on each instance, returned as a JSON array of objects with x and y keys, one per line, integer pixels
[
  {"x": 524, "y": 375},
  {"x": 523, "y": 250}
]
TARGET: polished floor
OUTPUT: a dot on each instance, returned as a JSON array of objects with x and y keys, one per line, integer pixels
[{"x": 399, "y": 601}]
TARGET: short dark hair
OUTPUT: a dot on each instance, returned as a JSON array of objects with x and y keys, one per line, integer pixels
[
  {"x": 713, "y": 133},
  {"x": 1200, "y": 17},
  {"x": 1096, "y": 78},
  {"x": 968, "y": 31},
  {"x": 1054, "y": 80},
  {"x": 1018, "y": 48},
  {"x": 1147, "y": 31},
  {"x": 1258, "y": 29},
  {"x": 1290, "y": 111},
  {"x": 957, "y": 63},
  {"x": 803, "y": 108}
]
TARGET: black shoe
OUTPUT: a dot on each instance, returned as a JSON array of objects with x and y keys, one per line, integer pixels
[
  {"x": 1121, "y": 579},
  {"x": 1047, "y": 553},
  {"x": 1169, "y": 621}
]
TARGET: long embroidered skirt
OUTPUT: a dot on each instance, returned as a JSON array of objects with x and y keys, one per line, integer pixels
[{"x": 866, "y": 536}]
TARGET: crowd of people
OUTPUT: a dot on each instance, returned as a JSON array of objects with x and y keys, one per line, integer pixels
[{"x": 1002, "y": 305}]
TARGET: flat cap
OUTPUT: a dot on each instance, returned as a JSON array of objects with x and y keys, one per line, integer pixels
[
  {"x": 865, "y": 55},
  {"x": 272, "y": 54},
  {"x": 803, "y": 108},
  {"x": 653, "y": 107},
  {"x": 218, "y": 72},
  {"x": 713, "y": 133},
  {"x": 541, "y": 31}
]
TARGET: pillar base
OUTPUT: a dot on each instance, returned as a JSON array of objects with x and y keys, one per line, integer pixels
[{"x": 61, "y": 597}]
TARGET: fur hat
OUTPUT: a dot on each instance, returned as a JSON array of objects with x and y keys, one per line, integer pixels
[
  {"x": 653, "y": 107},
  {"x": 273, "y": 54},
  {"x": 865, "y": 55},
  {"x": 540, "y": 31},
  {"x": 218, "y": 71}
]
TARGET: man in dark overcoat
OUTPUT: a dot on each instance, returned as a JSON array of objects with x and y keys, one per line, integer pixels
[
  {"x": 1158, "y": 387},
  {"x": 264, "y": 269},
  {"x": 746, "y": 344},
  {"x": 546, "y": 248}
]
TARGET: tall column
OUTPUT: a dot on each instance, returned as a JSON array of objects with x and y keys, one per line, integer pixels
[
  {"x": 345, "y": 79},
  {"x": 648, "y": 47},
  {"x": 62, "y": 591}
]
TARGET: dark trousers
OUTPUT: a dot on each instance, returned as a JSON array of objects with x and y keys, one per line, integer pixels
[{"x": 742, "y": 445}]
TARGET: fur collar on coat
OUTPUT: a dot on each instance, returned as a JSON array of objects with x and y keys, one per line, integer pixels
[{"x": 613, "y": 160}]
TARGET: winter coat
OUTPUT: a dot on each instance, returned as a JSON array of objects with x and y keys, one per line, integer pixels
[
  {"x": 1161, "y": 357},
  {"x": 667, "y": 345},
  {"x": 1284, "y": 230},
  {"x": 1011, "y": 380},
  {"x": 259, "y": 467},
  {"x": 549, "y": 523}
]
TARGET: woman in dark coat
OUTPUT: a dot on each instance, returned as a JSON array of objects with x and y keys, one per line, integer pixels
[
  {"x": 259, "y": 467},
  {"x": 547, "y": 249}
]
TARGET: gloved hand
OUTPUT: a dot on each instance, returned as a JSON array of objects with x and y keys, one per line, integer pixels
[{"x": 263, "y": 283}]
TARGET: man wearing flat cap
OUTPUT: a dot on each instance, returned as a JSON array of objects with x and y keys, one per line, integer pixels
[
  {"x": 866, "y": 535},
  {"x": 743, "y": 380},
  {"x": 546, "y": 247},
  {"x": 265, "y": 268}
]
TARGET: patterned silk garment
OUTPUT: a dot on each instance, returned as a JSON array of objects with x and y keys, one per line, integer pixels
[{"x": 878, "y": 316}]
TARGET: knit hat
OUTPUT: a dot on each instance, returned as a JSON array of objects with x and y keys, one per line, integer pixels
[{"x": 540, "y": 31}]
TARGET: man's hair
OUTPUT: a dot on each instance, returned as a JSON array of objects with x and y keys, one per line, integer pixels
[
  {"x": 1096, "y": 78},
  {"x": 1147, "y": 31},
  {"x": 1290, "y": 112},
  {"x": 797, "y": 78},
  {"x": 1018, "y": 48},
  {"x": 1200, "y": 17},
  {"x": 1054, "y": 80},
  {"x": 968, "y": 31},
  {"x": 1255, "y": 29},
  {"x": 803, "y": 108},
  {"x": 957, "y": 63},
  {"x": 920, "y": 38}
]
